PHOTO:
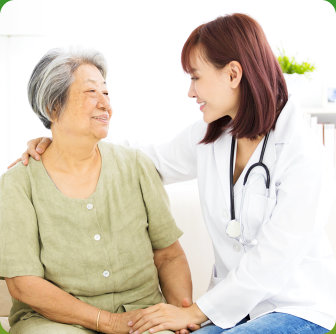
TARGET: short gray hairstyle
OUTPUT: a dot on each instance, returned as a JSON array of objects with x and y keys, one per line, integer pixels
[{"x": 49, "y": 83}]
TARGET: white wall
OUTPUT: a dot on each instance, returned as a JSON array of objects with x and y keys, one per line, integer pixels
[{"x": 142, "y": 41}]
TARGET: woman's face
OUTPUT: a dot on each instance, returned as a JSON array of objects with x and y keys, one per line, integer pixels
[
  {"x": 216, "y": 90},
  {"x": 87, "y": 111}
]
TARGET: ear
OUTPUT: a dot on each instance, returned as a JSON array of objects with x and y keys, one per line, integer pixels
[{"x": 236, "y": 72}]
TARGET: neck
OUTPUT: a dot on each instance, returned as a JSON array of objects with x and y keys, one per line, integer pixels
[{"x": 71, "y": 153}]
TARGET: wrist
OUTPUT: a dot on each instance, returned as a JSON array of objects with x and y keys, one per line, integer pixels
[
  {"x": 196, "y": 315},
  {"x": 108, "y": 322}
]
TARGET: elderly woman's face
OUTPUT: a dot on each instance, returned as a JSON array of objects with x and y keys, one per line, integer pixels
[{"x": 87, "y": 111}]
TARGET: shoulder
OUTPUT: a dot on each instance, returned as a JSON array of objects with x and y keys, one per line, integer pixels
[
  {"x": 123, "y": 154},
  {"x": 16, "y": 178},
  {"x": 117, "y": 153},
  {"x": 196, "y": 131},
  {"x": 298, "y": 148},
  {"x": 293, "y": 131}
]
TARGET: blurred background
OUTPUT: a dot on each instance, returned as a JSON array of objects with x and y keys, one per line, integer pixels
[{"x": 142, "y": 42}]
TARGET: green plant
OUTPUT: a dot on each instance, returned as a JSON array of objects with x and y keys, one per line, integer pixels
[{"x": 290, "y": 66}]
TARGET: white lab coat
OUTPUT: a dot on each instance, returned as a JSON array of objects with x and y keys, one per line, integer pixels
[{"x": 292, "y": 268}]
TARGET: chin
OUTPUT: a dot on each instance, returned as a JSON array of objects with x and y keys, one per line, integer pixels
[
  {"x": 101, "y": 135},
  {"x": 208, "y": 119}
]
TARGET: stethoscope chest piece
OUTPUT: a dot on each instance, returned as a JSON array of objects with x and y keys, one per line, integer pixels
[{"x": 233, "y": 229}]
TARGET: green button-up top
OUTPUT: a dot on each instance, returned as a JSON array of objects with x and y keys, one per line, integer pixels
[{"x": 99, "y": 249}]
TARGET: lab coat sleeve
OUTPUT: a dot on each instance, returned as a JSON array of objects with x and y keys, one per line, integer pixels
[
  {"x": 177, "y": 160},
  {"x": 303, "y": 200}
]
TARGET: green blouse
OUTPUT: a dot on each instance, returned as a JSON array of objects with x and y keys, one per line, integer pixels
[{"x": 99, "y": 249}]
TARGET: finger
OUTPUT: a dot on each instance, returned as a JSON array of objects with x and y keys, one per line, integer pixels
[
  {"x": 193, "y": 327},
  {"x": 14, "y": 163},
  {"x": 184, "y": 331},
  {"x": 137, "y": 321},
  {"x": 43, "y": 144},
  {"x": 25, "y": 158},
  {"x": 146, "y": 324},
  {"x": 158, "y": 328},
  {"x": 144, "y": 316}
]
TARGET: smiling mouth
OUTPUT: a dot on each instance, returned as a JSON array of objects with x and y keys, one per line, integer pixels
[
  {"x": 102, "y": 118},
  {"x": 202, "y": 105}
]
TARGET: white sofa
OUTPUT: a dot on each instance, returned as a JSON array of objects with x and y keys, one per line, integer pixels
[{"x": 195, "y": 241}]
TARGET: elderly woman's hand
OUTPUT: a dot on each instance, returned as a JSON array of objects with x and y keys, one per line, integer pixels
[
  {"x": 116, "y": 323},
  {"x": 35, "y": 148}
]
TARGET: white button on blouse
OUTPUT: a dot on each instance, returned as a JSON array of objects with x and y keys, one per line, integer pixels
[
  {"x": 106, "y": 273},
  {"x": 89, "y": 206},
  {"x": 97, "y": 237}
]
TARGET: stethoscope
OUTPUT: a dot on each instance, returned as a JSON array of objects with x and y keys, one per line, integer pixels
[{"x": 234, "y": 228}]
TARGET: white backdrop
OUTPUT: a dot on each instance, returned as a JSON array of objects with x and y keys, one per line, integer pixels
[{"x": 142, "y": 41}]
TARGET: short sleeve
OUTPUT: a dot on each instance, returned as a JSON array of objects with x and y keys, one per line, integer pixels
[
  {"x": 19, "y": 236},
  {"x": 162, "y": 228}
]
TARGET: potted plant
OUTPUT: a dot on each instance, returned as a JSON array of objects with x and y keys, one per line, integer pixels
[
  {"x": 297, "y": 79},
  {"x": 291, "y": 66}
]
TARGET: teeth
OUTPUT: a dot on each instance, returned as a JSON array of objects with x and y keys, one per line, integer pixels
[
  {"x": 100, "y": 117},
  {"x": 202, "y": 103}
]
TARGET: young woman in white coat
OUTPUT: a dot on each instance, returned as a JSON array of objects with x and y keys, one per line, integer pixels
[{"x": 264, "y": 190}]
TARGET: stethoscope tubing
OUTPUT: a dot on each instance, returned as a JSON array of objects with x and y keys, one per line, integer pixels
[{"x": 258, "y": 164}]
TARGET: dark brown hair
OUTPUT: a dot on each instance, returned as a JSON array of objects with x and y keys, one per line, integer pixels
[{"x": 263, "y": 91}]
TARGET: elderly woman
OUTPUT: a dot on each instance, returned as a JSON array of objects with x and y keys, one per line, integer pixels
[{"x": 86, "y": 233}]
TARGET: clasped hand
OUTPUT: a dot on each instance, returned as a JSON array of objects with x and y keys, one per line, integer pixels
[{"x": 165, "y": 317}]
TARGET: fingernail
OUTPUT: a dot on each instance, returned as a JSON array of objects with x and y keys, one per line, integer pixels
[
  {"x": 39, "y": 150},
  {"x": 130, "y": 323},
  {"x": 131, "y": 331},
  {"x": 136, "y": 332},
  {"x": 37, "y": 157}
]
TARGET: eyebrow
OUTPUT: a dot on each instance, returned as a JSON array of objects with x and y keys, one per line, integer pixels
[{"x": 94, "y": 81}]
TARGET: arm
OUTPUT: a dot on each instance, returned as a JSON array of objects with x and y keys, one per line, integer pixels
[
  {"x": 59, "y": 306},
  {"x": 176, "y": 160},
  {"x": 35, "y": 148},
  {"x": 174, "y": 273}
]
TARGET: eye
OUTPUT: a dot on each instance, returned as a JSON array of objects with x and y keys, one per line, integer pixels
[
  {"x": 194, "y": 78},
  {"x": 106, "y": 93}
]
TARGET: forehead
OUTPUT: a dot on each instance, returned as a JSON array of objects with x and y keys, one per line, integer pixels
[
  {"x": 86, "y": 74},
  {"x": 198, "y": 60}
]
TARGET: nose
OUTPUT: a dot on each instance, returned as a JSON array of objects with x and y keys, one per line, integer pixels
[
  {"x": 103, "y": 101},
  {"x": 192, "y": 91}
]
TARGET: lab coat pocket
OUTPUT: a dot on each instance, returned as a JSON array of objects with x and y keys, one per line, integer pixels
[
  {"x": 258, "y": 210},
  {"x": 214, "y": 279}
]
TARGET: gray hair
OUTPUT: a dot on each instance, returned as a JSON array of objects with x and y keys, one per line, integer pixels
[{"x": 51, "y": 78}]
